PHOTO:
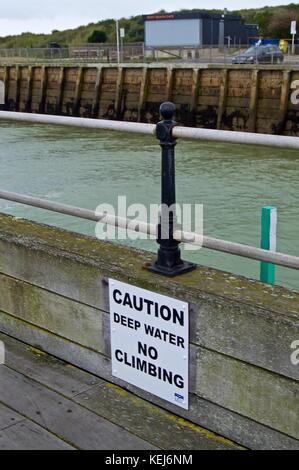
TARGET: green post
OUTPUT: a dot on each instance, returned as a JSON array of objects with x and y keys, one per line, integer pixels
[{"x": 268, "y": 242}]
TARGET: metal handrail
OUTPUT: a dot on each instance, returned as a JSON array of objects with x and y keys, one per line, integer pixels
[
  {"x": 169, "y": 261},
  {"x": 244, "y": 138},
  {"x": 224, "y": 246}
]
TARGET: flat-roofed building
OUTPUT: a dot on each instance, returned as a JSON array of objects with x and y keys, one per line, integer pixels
[{"x": 195, "y": 30}]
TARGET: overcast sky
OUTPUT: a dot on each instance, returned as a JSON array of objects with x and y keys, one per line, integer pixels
[{"x": 17, "y": 16}]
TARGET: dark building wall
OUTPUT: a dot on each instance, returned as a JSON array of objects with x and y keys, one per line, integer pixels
[
  {"x": 238, "y": 30},
  {"x": 210, "y": 31},
  {"x": 252, "y": 31},
  {"x": 234, "y": 27}
]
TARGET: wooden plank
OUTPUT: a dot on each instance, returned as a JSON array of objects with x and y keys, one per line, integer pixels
[
  {"x": 203, "y": 412},
  {"x": 286, "y": 387},
  {"x": 43, "y": 89},
  {"x": 155, "y": 99},
  {"x": 143, "y": 92},
  {"x": 208, "y": 101},
  {"x": 253, "y": 101},
  {"x": 264, "y": 114},
  {"x": 255, "y": 386},
  {"x": 270, "y": 93},
  {"x": 61, "y": 82},
  {"x": 211, "y": 80},
  {"x": 80, "y": 323},
  {"x": 108, "y": 401},
  {"x": 222, "y": 97},
  {"x": 153, "y": 424},
  {"x": 231, "y": 328},
  {"x": 8, "y": 417},
  {"x": 119, "y": 92},
  {"x": 97, "y": 93},
  {"x": 264, "y": 126},
  {"x": 268, "y": 104},
  {"x": 28, "y": 104},
  {"x": 239, "y": 92},
  {"x": 249, "y": 390},
  {"x": 183, "y": 100},
  {"x": 6, "y": 83},
  {"x": 209, "y": 91},
  {"x": 195, "y": 88},
  {"x": 17, "y": 88},
  {"x": 238, "y": 103},
  {"x": 50, "y": 371},
  {"x": 169, "y": 84},
  {"x": 60, "y": 416},
  {"x": 78, "y": 91},
  {"x": 285, "y": 93},
  {"x": 29, "y": 436}
]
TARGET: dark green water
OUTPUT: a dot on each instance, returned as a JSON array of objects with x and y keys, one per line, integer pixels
[{"x": 85, "y": 168}]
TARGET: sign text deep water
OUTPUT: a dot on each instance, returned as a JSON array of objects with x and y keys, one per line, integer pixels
[{"x": 150, "y": 341}]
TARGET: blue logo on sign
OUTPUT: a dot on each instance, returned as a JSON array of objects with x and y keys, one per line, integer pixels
[{"x": 179, "y": 398}]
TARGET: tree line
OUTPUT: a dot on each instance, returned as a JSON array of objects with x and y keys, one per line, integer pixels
[{"x": 273, "y": 22}]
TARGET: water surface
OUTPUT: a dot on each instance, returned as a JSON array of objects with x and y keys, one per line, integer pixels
[{"x": 86, "y": 168}]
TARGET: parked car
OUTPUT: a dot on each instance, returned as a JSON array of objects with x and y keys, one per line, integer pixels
[{"x": 260, "y": 55}]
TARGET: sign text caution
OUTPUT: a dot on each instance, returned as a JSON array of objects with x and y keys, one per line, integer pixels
[{"x": 150, "y": 341}]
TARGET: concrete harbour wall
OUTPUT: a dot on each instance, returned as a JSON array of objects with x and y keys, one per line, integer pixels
[
  {"x": 243, "y": 385},
  {"x": 234, "y": 98}
]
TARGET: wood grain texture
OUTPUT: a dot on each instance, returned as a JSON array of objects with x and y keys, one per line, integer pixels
[
  {"x": 60, "y": 416},
  {"x": 147, "y": 421},
  {"x": 203, "y": 412}
]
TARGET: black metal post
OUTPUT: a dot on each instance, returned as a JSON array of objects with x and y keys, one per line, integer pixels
[{"x": 169, "y": 262}]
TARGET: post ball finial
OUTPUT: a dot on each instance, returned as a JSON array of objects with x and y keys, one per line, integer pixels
[{"x": 167, "y": 110}]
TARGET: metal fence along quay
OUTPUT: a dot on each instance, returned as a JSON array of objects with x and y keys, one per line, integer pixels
[
  {"x": 167, "y": 131},
  {"x": 140, "y": 53}
]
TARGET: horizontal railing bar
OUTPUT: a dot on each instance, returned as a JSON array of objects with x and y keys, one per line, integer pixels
[
  {"x": 244, "y": 138},
  {"x": 238, "y": 249},
  {"x": 84, "y": 123},
  {"x": 81, "y": 213},
  {"x": 245, "y": 251}
]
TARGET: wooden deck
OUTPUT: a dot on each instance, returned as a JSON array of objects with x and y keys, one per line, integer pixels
[{"x": 48, "y": 404}]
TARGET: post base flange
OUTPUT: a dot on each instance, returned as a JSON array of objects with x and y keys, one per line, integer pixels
[{"x": 178, "y": 270}]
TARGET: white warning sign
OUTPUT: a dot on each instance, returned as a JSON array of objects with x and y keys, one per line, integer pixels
[{"x": 150, "y": 341}]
